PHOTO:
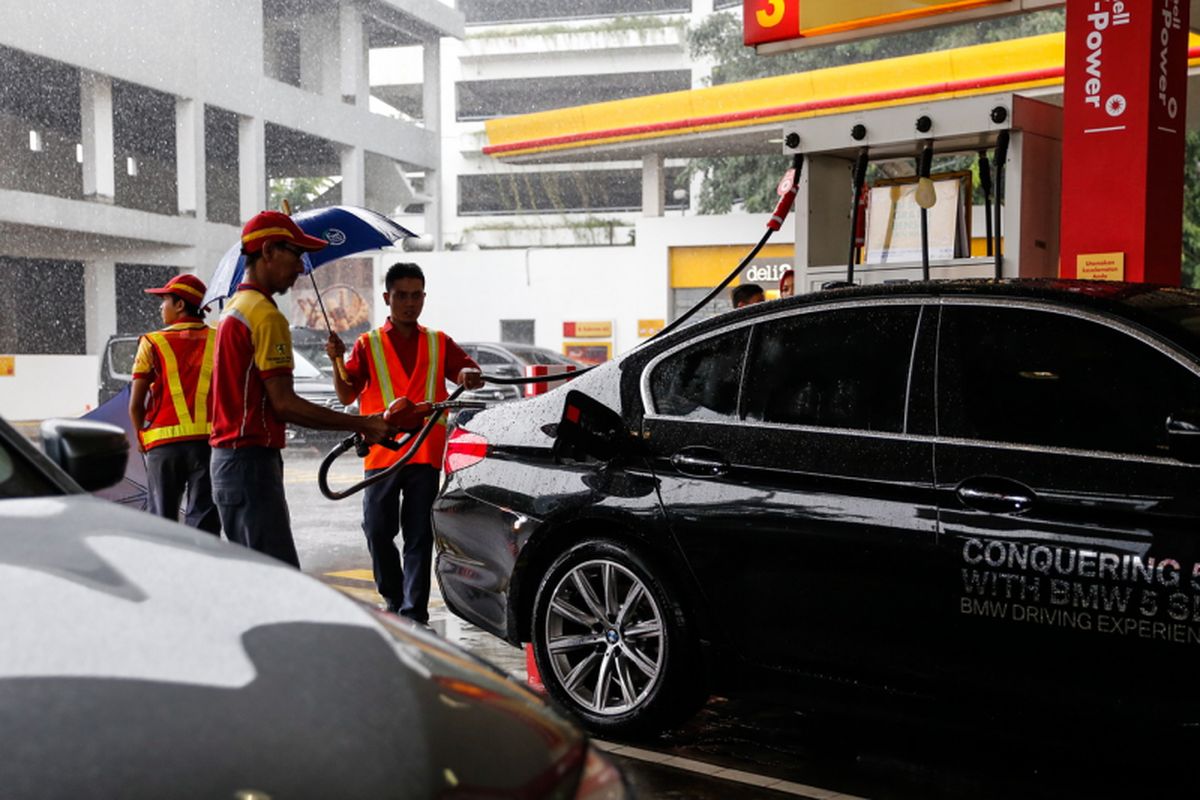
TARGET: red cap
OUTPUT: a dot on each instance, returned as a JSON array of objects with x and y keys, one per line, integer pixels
[
  {"x": 187, "y": 288},
  {"x": 275, "y": 226}
]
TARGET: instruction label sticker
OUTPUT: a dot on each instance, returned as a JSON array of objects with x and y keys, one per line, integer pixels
[{"x": 1100, "y": 266}]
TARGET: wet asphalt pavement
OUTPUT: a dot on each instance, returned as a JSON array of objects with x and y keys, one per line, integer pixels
[{"x": 746, "y": 750}]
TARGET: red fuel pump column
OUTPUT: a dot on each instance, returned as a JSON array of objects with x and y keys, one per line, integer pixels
[{"x": 1124, "y": 97}]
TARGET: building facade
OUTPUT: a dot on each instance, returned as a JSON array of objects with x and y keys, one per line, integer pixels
[{"x": 134, "y": 144}]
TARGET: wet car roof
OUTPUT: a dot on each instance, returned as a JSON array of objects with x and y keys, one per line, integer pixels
[{"x": 1169, "y": 310}]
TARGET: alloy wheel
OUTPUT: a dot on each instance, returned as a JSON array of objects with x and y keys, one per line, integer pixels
[{"x": 604, "y": 635}]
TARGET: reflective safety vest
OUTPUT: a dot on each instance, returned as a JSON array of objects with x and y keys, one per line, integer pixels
[
  {"x": 185, "y": 361},
  {"x": 388, "y": 381}
]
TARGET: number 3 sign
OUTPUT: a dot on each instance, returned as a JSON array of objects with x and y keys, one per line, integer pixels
[{"x": 770, "y": 20}]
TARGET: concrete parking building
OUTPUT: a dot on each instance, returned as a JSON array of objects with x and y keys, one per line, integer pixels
[
  {"x": 134, "y": 141},
  {"x": 525, "y": 56}
]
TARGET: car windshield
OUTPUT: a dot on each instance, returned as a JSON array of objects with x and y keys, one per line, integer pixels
[{"x": 19, "y": 478}]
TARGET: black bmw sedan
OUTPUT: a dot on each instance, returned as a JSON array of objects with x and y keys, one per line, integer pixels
[{"x": 984, "y": 495}]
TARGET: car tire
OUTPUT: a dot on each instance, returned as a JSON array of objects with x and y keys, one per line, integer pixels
[{"x": 613, "y": 644}]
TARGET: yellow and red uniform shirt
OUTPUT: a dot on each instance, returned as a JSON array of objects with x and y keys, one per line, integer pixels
[
  {"x": 178, "y": 362},
  {"x": 385, "y": 365},
  {"x": 254, "y": 343}
]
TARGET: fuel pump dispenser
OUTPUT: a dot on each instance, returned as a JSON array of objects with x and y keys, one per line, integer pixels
[
  {"x": 1020, "y": 184},
  {"x": 827, "y": 152}
]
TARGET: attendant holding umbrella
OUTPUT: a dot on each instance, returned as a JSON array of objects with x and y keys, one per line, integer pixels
[{"x": 253, "y": 396}]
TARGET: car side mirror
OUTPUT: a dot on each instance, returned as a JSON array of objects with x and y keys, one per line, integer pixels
[
  {"x": 94, "y": 454},
  {"x": 588, "y": 429},
  {"x": 1183, "y": 436}
]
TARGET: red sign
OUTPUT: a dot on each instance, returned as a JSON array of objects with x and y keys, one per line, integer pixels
[
  {"x": 770, "y": 20},
  {"x": 1123, "y": 135},
  {"x": 779, "y": 20}
]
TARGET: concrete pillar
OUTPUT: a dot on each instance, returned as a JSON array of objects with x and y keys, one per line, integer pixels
[
  {"x": 435, "y": 96},
  {"x": 654, "y": 185},
  {"x": 320, "y": 53},
  {"x": 822, "y": 215},
  {"x": 252, "y": 166},
  {"x": 189, "y": 157},
  {"x": 96, "y": 132},
  {"x": 100, "y": 303},
  {"x": 434, "y": 206},
  {"x": 353, "y": 61},
  {"x": 431, "y": 79},
  {"x": 354, "y": 176}
]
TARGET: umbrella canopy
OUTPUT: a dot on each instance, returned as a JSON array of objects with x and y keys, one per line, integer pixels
[{"x": 348, "y": 229}]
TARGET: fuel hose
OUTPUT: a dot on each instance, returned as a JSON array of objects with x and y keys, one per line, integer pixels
[
  {"x": 860, "y": 177},
  {"x": 1000, "y": 156},
  {"x": 926, "y": 166},
  {"x": 985, "y": 183}
]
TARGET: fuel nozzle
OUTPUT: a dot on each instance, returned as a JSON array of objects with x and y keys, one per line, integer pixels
[{"x": 784, "y": 206}]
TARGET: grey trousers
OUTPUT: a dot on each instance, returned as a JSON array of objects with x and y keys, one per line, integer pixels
[
  {"x": 178, "y": 468},
  {"x": 248, "y": 487}
]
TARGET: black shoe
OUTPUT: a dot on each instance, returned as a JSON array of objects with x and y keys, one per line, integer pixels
[{"x": 390, "y": 606}]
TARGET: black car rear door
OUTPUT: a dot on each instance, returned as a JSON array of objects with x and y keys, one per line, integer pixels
[
  {"x": 793, "y": 486},
  {"x": 1068, "y": 533}
]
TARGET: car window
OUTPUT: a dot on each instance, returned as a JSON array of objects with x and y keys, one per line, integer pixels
[
  {"x": 701, "y": 381},
  {"x": 843, "y": 368},
  {"x": 18, "y": 478},
  {"x": 533, "y": 355},
  {"x": 1036, "y": 377},
  {"x": 484, "y": 357},
  {"x": 121, "y": 353}
]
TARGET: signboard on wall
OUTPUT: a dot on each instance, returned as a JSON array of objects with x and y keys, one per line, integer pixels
[
  {"x": 346, "y": 291},
  {"x": 650, "y": 327},
  {"x": 767, "y": 21},
  {"x": 590, "y": 353},
  {"x": 587, "y": 330}
]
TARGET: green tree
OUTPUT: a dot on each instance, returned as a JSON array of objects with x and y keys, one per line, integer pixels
[
  {"x": 1191, "y": 211},
  {"x": 299, "y": 192},
  {"x": 751, "y": 180}
]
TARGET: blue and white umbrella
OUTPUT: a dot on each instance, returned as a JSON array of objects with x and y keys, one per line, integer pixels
[{"x": 348, "y": 229}]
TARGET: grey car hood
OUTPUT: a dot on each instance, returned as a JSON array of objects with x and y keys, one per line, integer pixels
[{"x": 141, "y": 658}]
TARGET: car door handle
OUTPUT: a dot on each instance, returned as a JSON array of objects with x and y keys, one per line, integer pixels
[
  {"x": 700, "y": 461},
  {"x": 995, "y": 495}
]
